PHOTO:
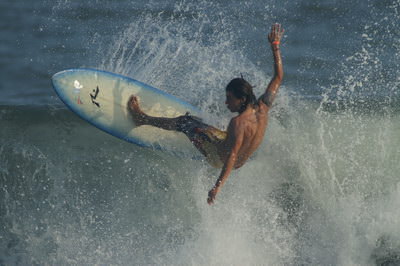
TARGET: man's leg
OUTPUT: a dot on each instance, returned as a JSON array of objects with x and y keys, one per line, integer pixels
[
  {"x": 205, "y": 138},
  {"x": 140, "y": 118}
]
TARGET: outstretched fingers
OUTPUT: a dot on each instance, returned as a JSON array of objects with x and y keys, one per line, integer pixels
[{"x": 276, "y": 33}]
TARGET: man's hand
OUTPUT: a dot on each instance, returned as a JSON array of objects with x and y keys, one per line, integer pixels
[
  {"x": 212, "y": 194},
  {"x": 276, "y": 33}
]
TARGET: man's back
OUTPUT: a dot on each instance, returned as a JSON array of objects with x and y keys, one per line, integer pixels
[{"x": 250, "y": 126}]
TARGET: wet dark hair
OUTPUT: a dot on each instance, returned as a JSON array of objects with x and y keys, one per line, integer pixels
[{"x": 240, "y": 88}]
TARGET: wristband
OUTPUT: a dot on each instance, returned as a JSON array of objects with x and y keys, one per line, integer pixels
[{"x": 276, "y": 42}]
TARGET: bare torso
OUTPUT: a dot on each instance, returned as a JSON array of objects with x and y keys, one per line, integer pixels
[{"x": 252, "y": 124}]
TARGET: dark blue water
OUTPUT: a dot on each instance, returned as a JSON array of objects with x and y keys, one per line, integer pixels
[
  {"x": 322, "y": 190},
  {"x": 322, "y": 40}
]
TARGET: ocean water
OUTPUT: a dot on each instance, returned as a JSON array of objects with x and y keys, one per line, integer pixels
[{"x": 323, "y": 189}]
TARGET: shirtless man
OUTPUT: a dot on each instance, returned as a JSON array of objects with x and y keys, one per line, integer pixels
[{"x": 245, "y": 131}]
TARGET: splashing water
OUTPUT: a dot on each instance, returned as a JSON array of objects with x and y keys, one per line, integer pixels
[{"x": 321, "y": 190}]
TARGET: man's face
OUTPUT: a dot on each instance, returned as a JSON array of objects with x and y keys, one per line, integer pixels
[{"x": 232, "y": 103}]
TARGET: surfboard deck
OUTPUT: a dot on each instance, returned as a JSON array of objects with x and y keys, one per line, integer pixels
[{"x": 101, "y": 98}]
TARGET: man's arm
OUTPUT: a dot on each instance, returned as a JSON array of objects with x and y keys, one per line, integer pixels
[
  {"x": 274, "y": 38},
  {"x": 236, "y": 133}
]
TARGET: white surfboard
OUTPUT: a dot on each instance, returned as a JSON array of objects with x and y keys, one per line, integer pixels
[{"x": 101, "y": 98}]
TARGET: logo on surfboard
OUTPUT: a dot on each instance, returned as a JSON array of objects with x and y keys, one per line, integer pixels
[
  {"x": 77, "y": 91},
  {"x": 93, "y": 97}
]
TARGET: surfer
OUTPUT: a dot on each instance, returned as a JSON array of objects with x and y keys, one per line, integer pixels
[{"x": 230, "y": 149}]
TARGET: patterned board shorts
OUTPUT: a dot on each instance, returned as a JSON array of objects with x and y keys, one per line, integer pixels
[{"x": 204, "y": 137}]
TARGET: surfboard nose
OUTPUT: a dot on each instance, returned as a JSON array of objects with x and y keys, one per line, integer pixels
[
  {"x": 58, "y": 80},
  {"x": 69, "y": 81}
]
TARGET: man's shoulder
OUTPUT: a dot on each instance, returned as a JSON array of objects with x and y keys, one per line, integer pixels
[
  {"x": 242, "y": 121},
  {"x": 235, "y": 121}
]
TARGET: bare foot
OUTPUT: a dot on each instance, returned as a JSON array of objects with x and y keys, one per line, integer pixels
[{"x": 138, "y": 116}]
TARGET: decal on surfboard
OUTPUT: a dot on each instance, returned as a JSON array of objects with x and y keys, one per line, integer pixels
[
  {"x": 93, "y": 97},
  {"x": 77, "y": 91}
]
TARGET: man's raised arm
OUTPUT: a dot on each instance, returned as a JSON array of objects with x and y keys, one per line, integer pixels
[{"x": 274, "y": 37}]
